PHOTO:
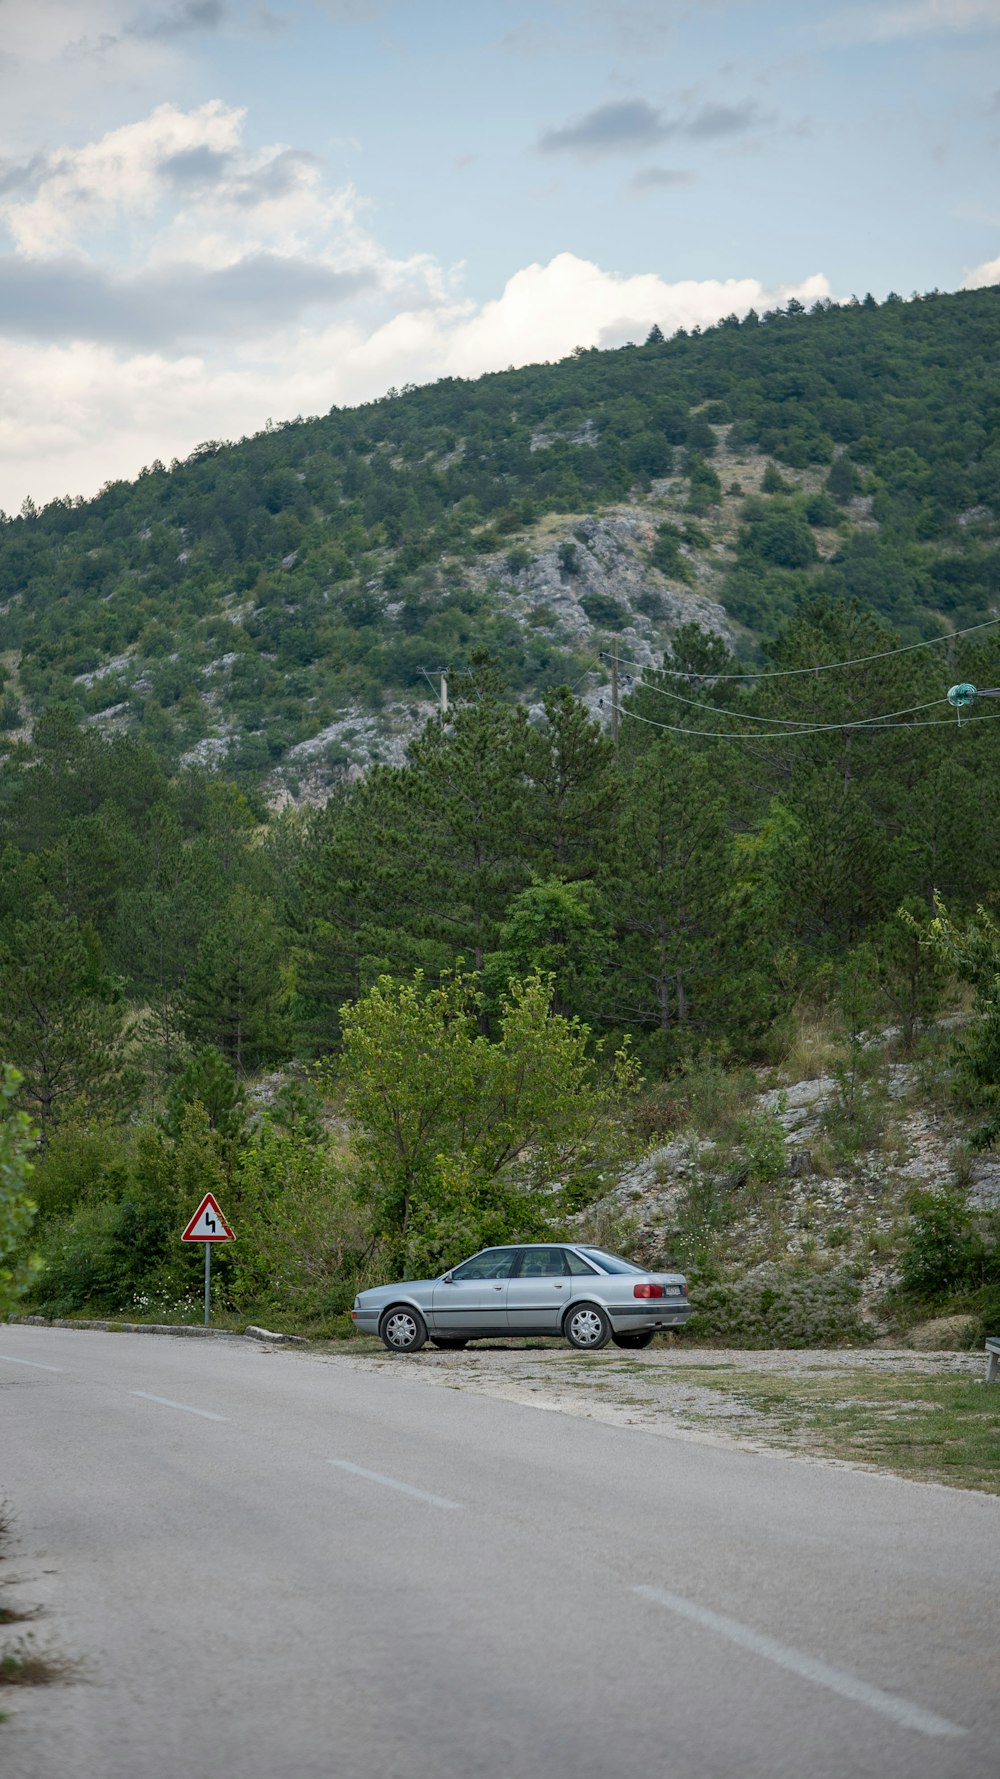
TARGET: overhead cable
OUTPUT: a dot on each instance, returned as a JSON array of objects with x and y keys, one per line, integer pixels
[
  {"x": 874, "y": 724},
  {"x": 749, "y": 716},
  {"x": 822, "y": 667}
]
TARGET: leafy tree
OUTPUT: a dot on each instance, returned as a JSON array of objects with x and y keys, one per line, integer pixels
[
  {"x": 557, "y": 930},
  {"x": 455, "y": 1134},
  {"x": 971, "y": 948},
  {"x": 17, "y": 1209}
]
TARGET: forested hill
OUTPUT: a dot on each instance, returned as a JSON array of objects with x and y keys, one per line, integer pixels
[{"x": 278, "y": 604}]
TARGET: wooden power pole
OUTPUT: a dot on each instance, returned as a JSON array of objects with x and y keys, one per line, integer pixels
[{"x": 614, "y": 691}]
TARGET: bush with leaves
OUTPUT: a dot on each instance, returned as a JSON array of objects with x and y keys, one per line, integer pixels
[
  {"x": 461, "y": 1139},
  {"x": 17, "y": 1208},
  {"x": 775, "y": 1309}
]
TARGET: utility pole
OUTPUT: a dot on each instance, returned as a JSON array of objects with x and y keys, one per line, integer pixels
[
  {"x": 444, "y": 694},
  {"x": 614, "y": 692}
]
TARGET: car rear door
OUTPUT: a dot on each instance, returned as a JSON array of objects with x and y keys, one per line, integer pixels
[
  {"x": 538, "y": 1293},
  {"x": 473, "y": 1301}
]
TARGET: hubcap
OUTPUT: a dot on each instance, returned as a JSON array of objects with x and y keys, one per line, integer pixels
[
  {"x": 586, "y": 1328},
  {"x": 401, "y": 1330}
]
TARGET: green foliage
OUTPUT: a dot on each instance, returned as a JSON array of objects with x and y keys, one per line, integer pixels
[
  {"x": 944, "y": 1252},
  {"x": 762, "y": 1141},
  {"x": 461, "y": 1139},
  {"x": 556, "y": 930},
  {"x": 771, "y": 1309},
  {"x": 666, "y": 553},
  {"x": 17, "y": 1208},
  {"x": 235, "y": 996},
  {"x": 279, "y": 551},
  {"x": 60, "y": 1020},
  {"x": 972, "y": 948}
]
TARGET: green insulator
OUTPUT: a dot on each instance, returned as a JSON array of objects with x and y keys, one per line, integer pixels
[{"x": 961, "y": 695}]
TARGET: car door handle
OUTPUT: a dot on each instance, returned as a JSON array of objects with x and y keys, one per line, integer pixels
[
  {"x": 558, "y": 1287},
  {"x": 498, "y": 1287}
]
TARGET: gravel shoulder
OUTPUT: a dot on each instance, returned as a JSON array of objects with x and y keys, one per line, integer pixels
[{"x": 791, "y": 1401}]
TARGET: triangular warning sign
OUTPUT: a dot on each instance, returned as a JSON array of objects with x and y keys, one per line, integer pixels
[{"x": 208, "y": 1224}]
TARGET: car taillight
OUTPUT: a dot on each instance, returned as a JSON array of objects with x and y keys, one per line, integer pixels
[{"x": 647, "y": 1291}]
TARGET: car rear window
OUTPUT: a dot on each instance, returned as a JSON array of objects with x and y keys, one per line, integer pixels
[{"x": 610, "y": 1262}]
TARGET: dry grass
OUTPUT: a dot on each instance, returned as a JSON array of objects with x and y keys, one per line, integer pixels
[
  {"x": 815, "y": 1048},
  {"x": 25, "y": 1664}
]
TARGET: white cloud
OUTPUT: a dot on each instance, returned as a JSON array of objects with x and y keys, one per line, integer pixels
[
  {"x": 169, "y": 284},
  {"x": 77, "y": 415},
  {"x": 68, "y": 195},
  {"x": 912, "y": 18},
  {"x": 981, "y": 277}
]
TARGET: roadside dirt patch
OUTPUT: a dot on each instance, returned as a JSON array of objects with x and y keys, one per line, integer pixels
[{"x": 681, "y": 1393}]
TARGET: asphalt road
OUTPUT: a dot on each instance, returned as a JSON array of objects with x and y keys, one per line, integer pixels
[{"x": 279, "y": 1567}]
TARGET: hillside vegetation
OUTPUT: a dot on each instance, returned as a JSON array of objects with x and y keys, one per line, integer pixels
[
  {"x": 301, "y": 583},
  {"x": 462, "y": 995}
]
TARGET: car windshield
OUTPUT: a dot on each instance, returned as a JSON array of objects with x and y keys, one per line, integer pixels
[
  {"x": 494, "y": 1264},
  {"x": 610, "y": 1262}
]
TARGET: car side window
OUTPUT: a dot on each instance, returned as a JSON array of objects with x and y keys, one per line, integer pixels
[
  {"x": 577, "y": 1265},
  {"x": 496, "y": 1263},
  {"x": 543, "y": 1263}
]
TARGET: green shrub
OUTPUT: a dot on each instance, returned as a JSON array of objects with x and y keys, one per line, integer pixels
[
  {"x": 761, "y": 1137},
  {"x": 772, "y": 1309},
  {"x": 944, "y": 1251}
]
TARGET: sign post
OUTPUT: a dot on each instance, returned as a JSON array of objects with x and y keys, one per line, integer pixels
[{"x": 208, "y": 1225}]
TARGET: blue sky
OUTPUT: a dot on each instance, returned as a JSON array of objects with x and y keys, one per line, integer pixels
[{"x": 216, "y": 211}]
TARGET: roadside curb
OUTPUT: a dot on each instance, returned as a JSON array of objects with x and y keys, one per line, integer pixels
[{"x": 185, "y": 1330}]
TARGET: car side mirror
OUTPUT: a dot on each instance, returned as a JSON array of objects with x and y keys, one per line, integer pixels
[{"x": 447, "y": 1279}]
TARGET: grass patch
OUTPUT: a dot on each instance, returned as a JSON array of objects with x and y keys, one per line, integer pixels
[
  {"x": 933, "y": 1429},
  {"x": 27, "y": 1665}
]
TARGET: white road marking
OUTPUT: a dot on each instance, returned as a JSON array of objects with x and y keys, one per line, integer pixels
[
  {"x": 390, "y": 1482},
  {"x": 168, "y": 1402},
  {"x": 901, "y": 1711},
  {"x": 34, "y": 1363}
]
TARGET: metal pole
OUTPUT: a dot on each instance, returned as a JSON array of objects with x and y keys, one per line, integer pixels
[
  {"x": 614, "y": 692},
  {"x": 444, "y": 696},
  {"x": 208, "y": 1279}
]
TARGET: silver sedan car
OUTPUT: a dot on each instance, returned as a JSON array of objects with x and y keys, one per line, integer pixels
[{"x": 584, "y": 1294}]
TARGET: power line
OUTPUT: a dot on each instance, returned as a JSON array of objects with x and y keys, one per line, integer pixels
[
  {"x": 822, "y": 667},
  {"x": 875, "y": 724},
  {"x": 749, "y": 716}
]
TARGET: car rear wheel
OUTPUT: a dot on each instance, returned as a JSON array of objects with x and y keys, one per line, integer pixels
[
  {"x": 641, "y": 1339},
  {"x": 587, "y": 1327},
  {"x": 403, "y": 1330},
  {"x": 450, "y": 1343}
]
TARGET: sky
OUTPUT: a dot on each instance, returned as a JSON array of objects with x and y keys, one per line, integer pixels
[{"x": 219, "y": 212}]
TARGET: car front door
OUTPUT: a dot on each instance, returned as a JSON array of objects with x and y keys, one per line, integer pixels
[
  {"x": 472, "y": 1299},
  {"x": 537, "y": 1296}
]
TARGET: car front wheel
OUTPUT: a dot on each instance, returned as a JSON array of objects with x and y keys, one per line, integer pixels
[
  {"x": 642, "y": 1339},
  {"x": 587, "y": 1327},
  {"x": 403, "y": 1330}
]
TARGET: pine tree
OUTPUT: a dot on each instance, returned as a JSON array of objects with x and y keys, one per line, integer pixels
[
  {"x": 236, "y": 995},
  {"x": 571, "y": 797},
  {"x": 60, "y": 1023},
  {"x": 670, "y": 890}
]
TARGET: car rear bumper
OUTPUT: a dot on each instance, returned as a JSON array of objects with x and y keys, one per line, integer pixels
[{"x": 626, "y": 1320}]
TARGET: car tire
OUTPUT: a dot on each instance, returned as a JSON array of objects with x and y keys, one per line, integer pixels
[
  {"x": 449, "y": 1343},
  {"x": 402, "y": 1329},
  {"x": 641, "y": 1339},
  {"x": 586, "y": 1327}
]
